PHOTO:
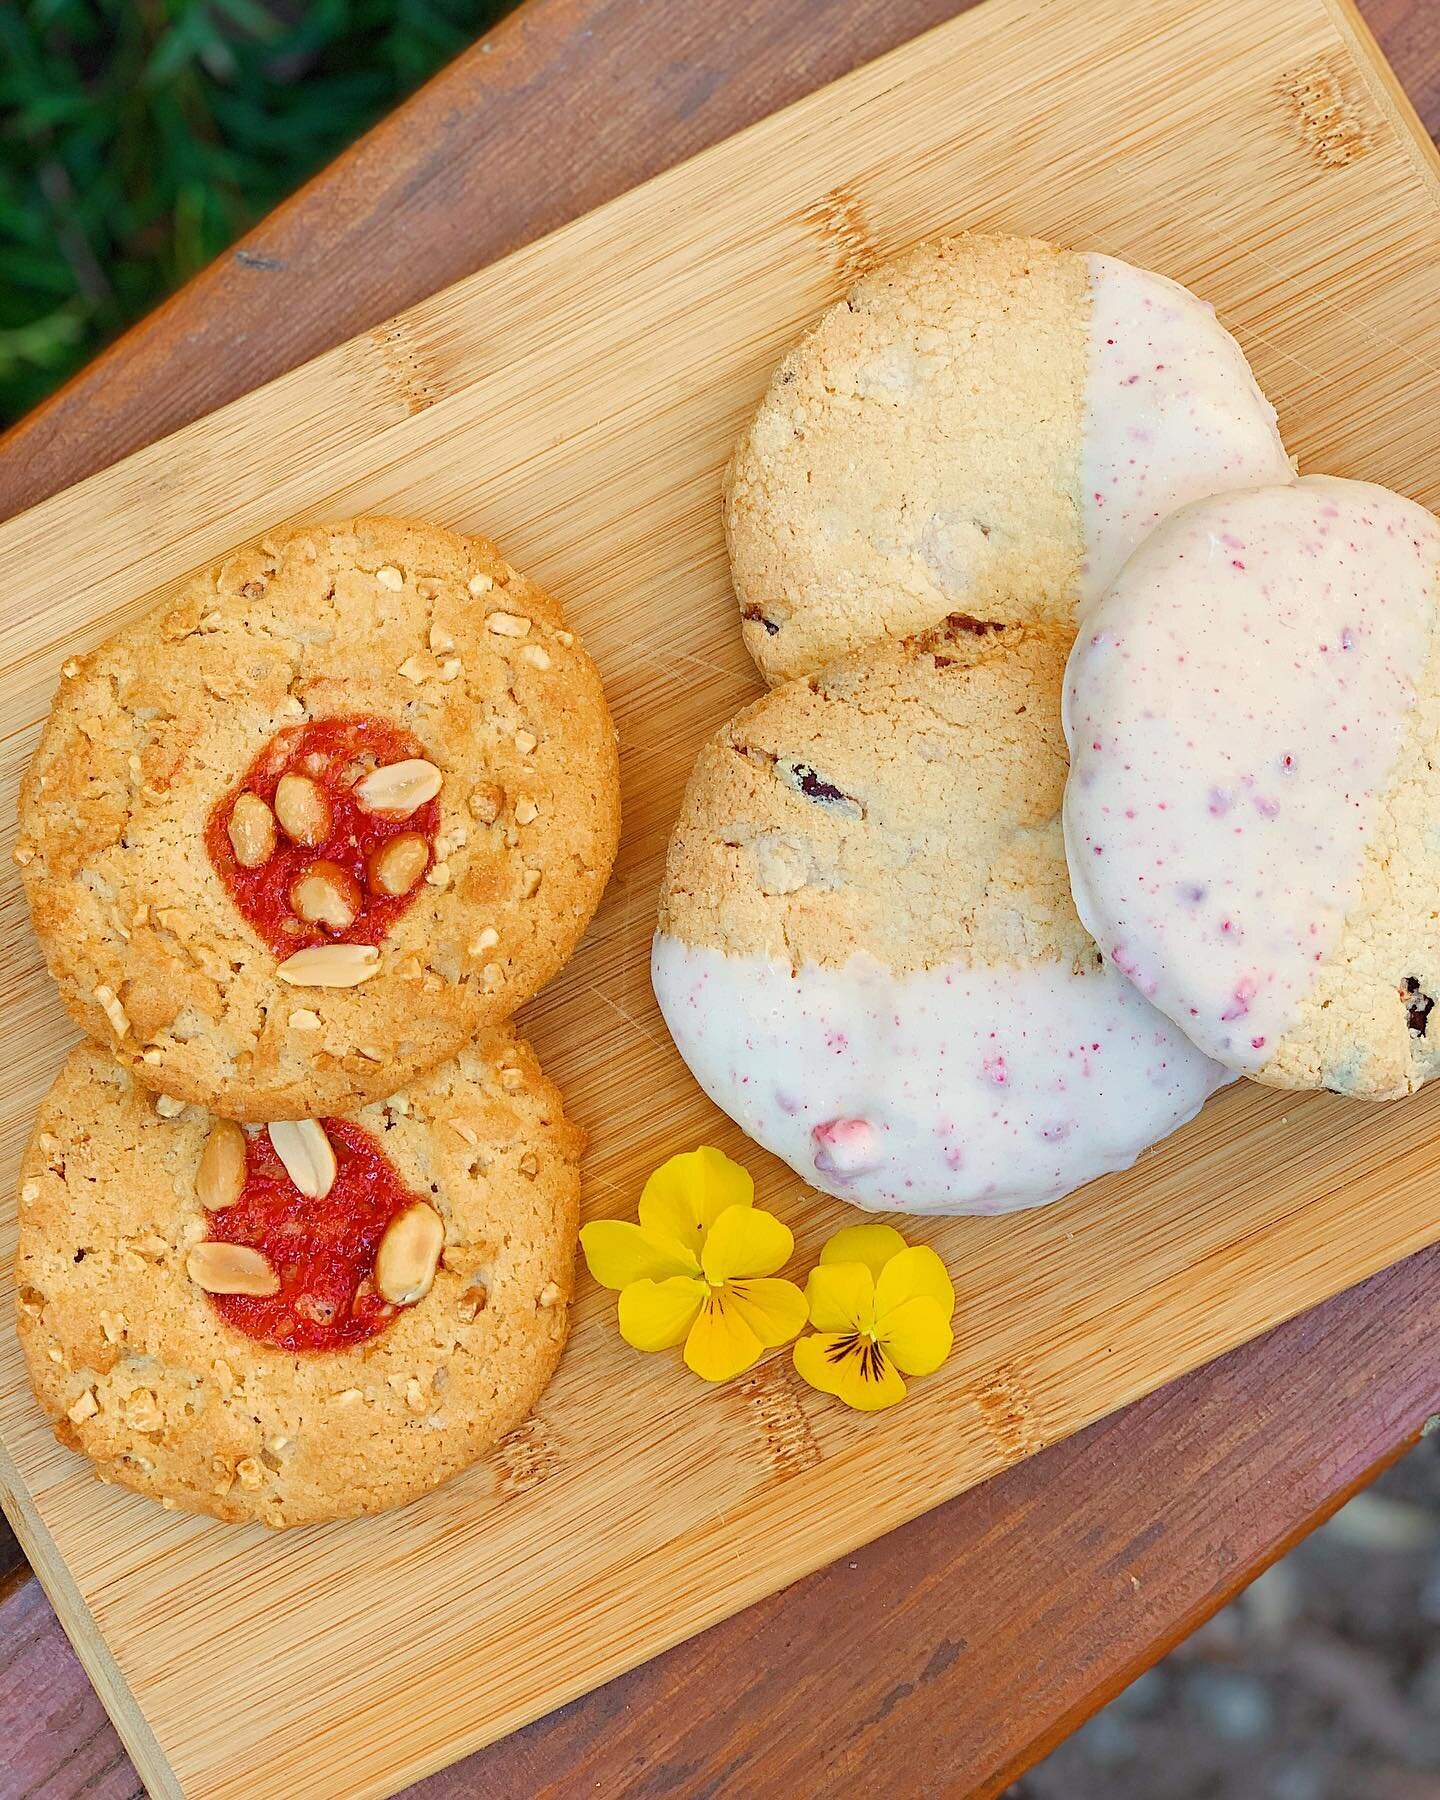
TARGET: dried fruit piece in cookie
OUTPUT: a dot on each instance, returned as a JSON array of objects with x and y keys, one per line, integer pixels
[
  {"x": 266, "y": 824},
  {"x": 283, "y": 1357}
]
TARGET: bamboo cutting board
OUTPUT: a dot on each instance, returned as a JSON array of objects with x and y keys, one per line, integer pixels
[{"x": 577, "y": 401}]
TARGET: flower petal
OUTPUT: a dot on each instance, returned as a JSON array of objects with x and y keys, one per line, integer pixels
[
  {"x": 841, "y": 1296},
  {"x": 917, "y": 1335},
  {"x": 850, "y": 1367},
  {"x": 743, "y": 1242},
  {"x": 818, "y": 1357},
  {"x": 618, "y": 1253},
  {"x": 685, "y": 1195},
  {"x": 872, "y": 1245},
  {"x": 656, "y": 1314},
  {"x": 905, "y": 1277},
  {"x": 721, "y": 1343},
  {"x": 869, "y": 1380},
  {"x": 774, "y": 1310}
]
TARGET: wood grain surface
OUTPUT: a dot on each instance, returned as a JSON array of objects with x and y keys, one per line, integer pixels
[{"x": 879, "y": 1715}]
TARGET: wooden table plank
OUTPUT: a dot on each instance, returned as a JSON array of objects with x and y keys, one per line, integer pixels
[
  {"x": 58, "y": 1741},
  {"x": 950, "y": 1654}
]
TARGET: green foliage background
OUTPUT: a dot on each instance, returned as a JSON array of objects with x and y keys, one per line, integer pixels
[{"x": 139, "y": 137}]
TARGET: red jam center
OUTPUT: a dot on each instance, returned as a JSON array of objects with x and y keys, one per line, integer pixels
[
  {"x": 333, "y": 754},
  {"x": 322, "y": 1250}
]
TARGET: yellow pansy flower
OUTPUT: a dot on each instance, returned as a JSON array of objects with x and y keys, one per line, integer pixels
[
  {"x": 698, "y": 1269},
  {"x": 882, "y": 1311}
]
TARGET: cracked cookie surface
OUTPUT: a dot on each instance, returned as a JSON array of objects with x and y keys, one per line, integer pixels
[
  {"x": 867, "y": 951},
  {"x": 420, "y": 631},
  {"x": 987, "y": 425},
  {"x": 1251, "y": 817},
  {"x": 142, "y": 1370}
]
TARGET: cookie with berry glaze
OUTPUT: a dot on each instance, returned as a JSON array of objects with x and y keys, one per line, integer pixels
[
  {"x": 867, "y": 953},
  {"x": 291, "y": 840},
  {"x": 308, "y": 1328},
  {"x": 986, "y": 424},
  {"x": 1254, "y": 717}
]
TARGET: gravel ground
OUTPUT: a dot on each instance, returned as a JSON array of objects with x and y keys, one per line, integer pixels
[{"x": 1320, "y": 1682}]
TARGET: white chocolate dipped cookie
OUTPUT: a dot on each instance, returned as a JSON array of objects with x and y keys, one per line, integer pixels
[
  {"x": 1253, "y": 813},
  {"x": 986, "y": 424},
  {"x": 867, "y": 952}
]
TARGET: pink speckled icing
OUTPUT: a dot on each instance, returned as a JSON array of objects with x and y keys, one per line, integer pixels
[
  {"x": 1234, "y": 707},
  {"x": 1172, "y": 414},
  {"x": 952, "y": 1090}
]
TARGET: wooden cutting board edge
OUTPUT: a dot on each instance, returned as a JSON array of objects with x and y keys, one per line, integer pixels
[
  {"x": 39, "y": 1547},
  {"x": 1385, "y": 88}
]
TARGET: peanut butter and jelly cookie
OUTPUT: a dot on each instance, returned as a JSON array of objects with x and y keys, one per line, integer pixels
[
  {"x": 302, "y": 1321},
  {"x": 291, "y": 840}
]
